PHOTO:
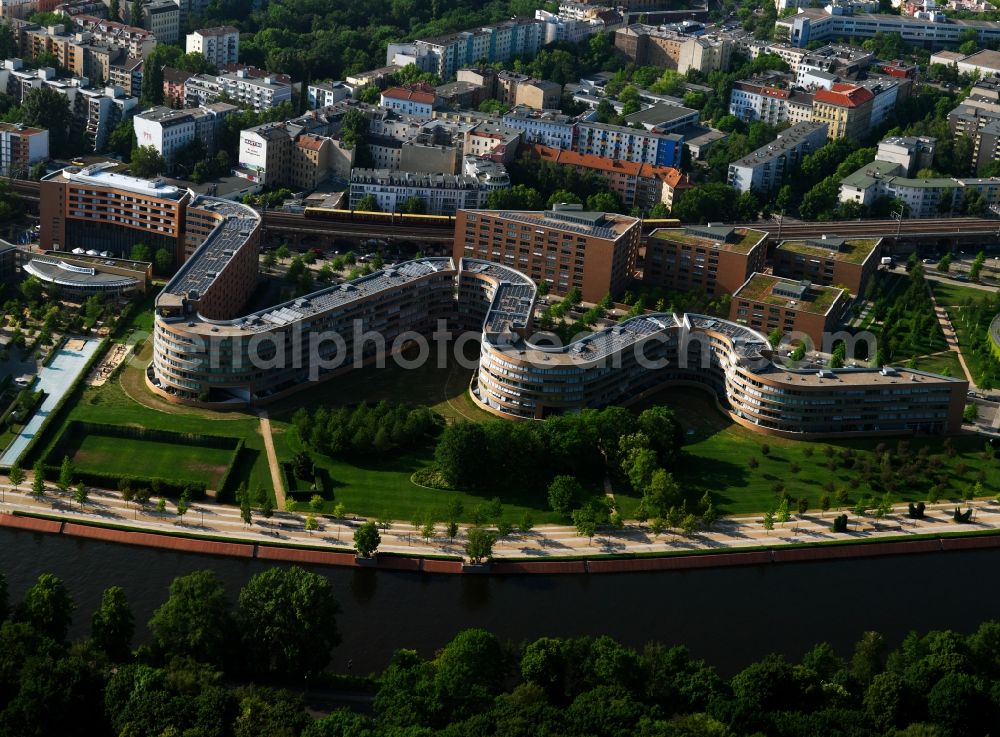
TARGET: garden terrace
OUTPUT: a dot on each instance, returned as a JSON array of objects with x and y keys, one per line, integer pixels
[{"x": 849, "y": 250}]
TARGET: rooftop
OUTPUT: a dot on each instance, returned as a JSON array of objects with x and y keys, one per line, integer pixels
[
  {"x": 725, "y": 237},
  {"x": 850, "y": 250},
  {"x": 100, "y": 176},
  {"x": 788, "y": 293},
  {"x": 604, "y": 225}
]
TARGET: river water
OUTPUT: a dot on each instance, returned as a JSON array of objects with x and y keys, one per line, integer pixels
[{"x": 729, "y": 616}]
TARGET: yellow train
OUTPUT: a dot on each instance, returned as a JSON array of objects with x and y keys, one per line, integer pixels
[
  {"x": 387, "y": 218},
  {"x": 430, "y": 221}
]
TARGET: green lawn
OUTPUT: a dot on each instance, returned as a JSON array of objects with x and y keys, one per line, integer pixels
[
  {"x": 941, "y": 363},
  {"x": 445, "y": 390},
  {"x": 384, "y": 489},
  {"x": 947, "y": 293},
  {"x": 718, "y": 453},
  {"x": 155, "y": 459}
]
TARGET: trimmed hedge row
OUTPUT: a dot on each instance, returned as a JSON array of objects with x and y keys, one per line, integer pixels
[
  {"x": 158, "y": 486},
  {"x": 133, "y": 432},
  {"x": 227, "y": 484},
  {"x": 293, "y": 484}
]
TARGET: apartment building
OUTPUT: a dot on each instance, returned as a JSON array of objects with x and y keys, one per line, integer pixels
[
  {"x": 441, "y": 194},
  {"x": 137, "y": 42},
  {"x": 95, "y": 208},
  {"x": 298, "y": 153},
  {"x": 162, "y": 18},
  {"x": 325, "y": 94},
  {"x": 829, "y": 261},
  {"x": 543, "y": 127},
  {"x": 628, "y": 144},
  {"x": 913, "y": 153},
  {"x": 566, "y": 247},
  {"x": 713, "y": 259},
  {"x": 173, "y": 86},
  {"x": 846, "y": 110},
  {"x": 169, "y": 130},
  {"x": 762, "y": 101},
  {"x": 819, "y": 24},
  {"x": 219, "y": 45},
  {"x": 127, "y": 74},
  {"x": 20, "y": 147},
  {"x": 663, "y": 117},
  {"x": 925, "y": 197},
  {"x": 638, "y": 185},
  {"x": 767, "y": 168},
  {"x": 577, "y": 21},
  {"x": 101, "y": 110},
  {"x": 765, "y": 303},
  {"x": 413, "y": 99},
  {"x": 445, "y": 55},
  {"x": 646, "y": 45},
  {"x": 242, "y": 87}
]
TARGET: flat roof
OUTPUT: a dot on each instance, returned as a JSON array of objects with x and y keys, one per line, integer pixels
[
  {"x": 99, "y": 175},
  {"x": 850, "y": 250},
  {"x": 725, "y": 238},
  {"x": 606, "y": 225},
  {"x": 815, "y": 299}
]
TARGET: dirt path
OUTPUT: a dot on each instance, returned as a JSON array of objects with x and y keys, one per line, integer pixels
[{"x": 272, "y": 459}]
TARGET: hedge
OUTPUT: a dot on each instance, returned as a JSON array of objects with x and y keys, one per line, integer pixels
[
  {"x": 227, "y": 484},
  {"x": 324, "y": 483},
  {"x": 134, "y": 432},
  {"x": 158, "y": 486}
]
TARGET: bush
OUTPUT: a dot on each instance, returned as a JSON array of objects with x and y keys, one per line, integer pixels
[
  {"x": 917, "y": 510},
  {"x": 840, "y": 523}
]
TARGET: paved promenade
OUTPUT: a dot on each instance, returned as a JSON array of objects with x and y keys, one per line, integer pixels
[{"x": 546, "y": 542}]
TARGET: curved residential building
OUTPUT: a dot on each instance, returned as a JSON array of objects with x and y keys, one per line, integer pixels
[{"x": 206, "y": 353}]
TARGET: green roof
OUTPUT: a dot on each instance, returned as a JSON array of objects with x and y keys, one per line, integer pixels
[
  {"x": 743, "y": 240},
  {"x": 851, "y": 250},
  {"x": 817, "y": 299}
]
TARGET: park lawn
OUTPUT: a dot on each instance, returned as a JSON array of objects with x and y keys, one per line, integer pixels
[
  {"x": 937, "y": 364},
  {"x": 718, "y": 451},
  {"x": 385, "y": 489},
  {"x": 948, "y": 294},
  {"x": 443, "y": 389},
  {"x": 965, "y": 342},
  {"x": 156, "y": 459}
]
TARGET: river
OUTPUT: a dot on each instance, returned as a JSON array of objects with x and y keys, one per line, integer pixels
[{"x": 729, "y": 616}]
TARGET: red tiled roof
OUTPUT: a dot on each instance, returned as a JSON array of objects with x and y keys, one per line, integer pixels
[
  {"x": 415, "y": 92},
  {"x": 845, "y": 95},
  {"x": 667, "y": 174}
]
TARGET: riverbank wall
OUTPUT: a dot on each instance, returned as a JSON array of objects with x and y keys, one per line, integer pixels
[{"x": 189, "y": 543}]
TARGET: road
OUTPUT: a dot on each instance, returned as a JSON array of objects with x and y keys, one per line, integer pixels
[{"x": 541, "y": 543}]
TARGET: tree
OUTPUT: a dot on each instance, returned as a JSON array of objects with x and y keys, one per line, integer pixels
[
  {"x": 288, "y": 618},
  {"x": 147, "y": 162},
  {"x": 195, "y": 621},
  {"x": 459, "y": 453},
  {"x": 246, "y": 510},
  {"x": 16, "y": 475},
  {"x": 413, "y": 205},
  {"x": 81, "y": 494},
  {"x": 114, "y": 10},
  {"x": 65, "y": 474},
  {"x": 163, "y": 261},
  {"x": 267, "y": 506},
  {"x": 824, "y": 503},
  {"x": 713, "y": 201},
  {"x": 518, "y": 197},
  {"x": 311, "y": 524},
  {"x": 113, "y": 625},
  {"x": 587, "y": 518},
  {"x": 48, "y": 607},
  {"x": 367, "y": 539},
  {"x": 38, "y": 482},
  {"x": 368, "y": 203},
  {"x": 768, "y": 521},
  {"x": 46, "y": 108},
  {"x": 122, "y": 139},
  {"x": 479, "y": 545},
  {"x": 183, "y": 504},
  {"x": 783, "y": 514},
  {"x": 316, "y": 503}
]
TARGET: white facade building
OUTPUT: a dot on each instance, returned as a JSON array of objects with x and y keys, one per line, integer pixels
[
  {"x": 325, "y": 94},
  {"x": 769, "y": 167},
  {"x": 168, "y": 130},
  {"x": 246, "y": 90},
  {"x": 220, "y": 46}
]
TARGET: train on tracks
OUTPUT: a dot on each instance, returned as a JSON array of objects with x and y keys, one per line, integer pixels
[{"x": 412, "y": 220}]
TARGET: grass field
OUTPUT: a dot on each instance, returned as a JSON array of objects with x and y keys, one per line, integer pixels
[
  {"x": 718, "y": 454},
  {"x": 444, "y": 389},
  {"x": 938, "y": 364},
  {"x": 385, "y": 490},
  {"x": 155, "y": 459},
  {"x": 948, "y": 294}
]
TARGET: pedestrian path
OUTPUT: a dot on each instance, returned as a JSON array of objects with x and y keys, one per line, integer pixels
[
  {"x": 55, "y": 380},
  {"x": 272, "y": 459}
]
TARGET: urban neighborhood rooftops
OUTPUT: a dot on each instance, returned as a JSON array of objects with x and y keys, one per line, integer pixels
[
  {"x": 851, "y": 250},
  {"x": 788, "y": 293},
  {"x": 724, "y": 237}
]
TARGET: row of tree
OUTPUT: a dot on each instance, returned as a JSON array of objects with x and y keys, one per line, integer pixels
[
  {"x": 587, "y": 446},
  {"x": 366, "y": 430}
]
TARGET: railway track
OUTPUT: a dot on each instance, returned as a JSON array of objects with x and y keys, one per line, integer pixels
[{"x": 294, "y": 223}]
